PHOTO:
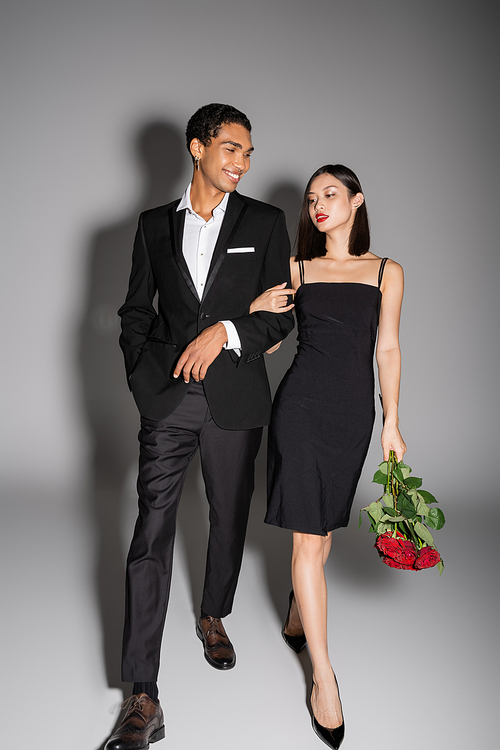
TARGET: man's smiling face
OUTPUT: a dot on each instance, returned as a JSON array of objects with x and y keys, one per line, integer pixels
[{"x": 227, "y": 158}]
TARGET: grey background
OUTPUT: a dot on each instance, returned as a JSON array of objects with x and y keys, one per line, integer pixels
[{"x": 95, "y": 97}]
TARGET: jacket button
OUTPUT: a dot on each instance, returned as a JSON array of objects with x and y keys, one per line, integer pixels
[{"x": 204, "y": 316}]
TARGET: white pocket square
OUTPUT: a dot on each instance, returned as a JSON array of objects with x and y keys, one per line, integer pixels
[{"x": 241, "y": 250}]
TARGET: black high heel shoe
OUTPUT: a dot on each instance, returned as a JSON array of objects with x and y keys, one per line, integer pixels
[
  {"x": 331, "y": 737},
  {"x": 296, "y": 642}
]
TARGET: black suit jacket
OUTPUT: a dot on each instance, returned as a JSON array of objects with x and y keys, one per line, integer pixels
[{"x": 152, "y": 339}]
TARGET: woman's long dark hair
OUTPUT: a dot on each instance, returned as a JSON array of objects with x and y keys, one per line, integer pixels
[{"x": 311, "y": 243}]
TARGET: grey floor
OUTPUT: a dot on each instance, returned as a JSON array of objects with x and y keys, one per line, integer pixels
[{"x": 416, "y": 654}]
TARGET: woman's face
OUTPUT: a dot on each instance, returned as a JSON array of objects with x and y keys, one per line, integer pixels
[{"x": 330, "y": 205}]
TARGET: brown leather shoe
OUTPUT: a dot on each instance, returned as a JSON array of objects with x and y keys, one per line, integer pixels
[
  {"x": 143, "y": 723},
  {"x": 219, "y": 651}
]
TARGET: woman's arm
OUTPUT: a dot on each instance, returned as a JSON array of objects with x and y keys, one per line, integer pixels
[
  {"x": 264, "y": 329},
  {"x": 273, "y": 300},
  {"x": 389, "y": 358}
]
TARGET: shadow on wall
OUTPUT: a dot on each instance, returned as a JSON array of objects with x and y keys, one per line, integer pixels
[{"x": 110, "y": 412}]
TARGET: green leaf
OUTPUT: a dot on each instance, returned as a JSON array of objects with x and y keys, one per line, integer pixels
[
  {"x": 403, "y": 470},
  {"x": 427, "y": 497},
  {"x": 399, "y": 475},
  {"x": 382, "y": 527},
  {"x": 413, "y": 482},
  {"x": 409, "y": 513},
  {"x": 375, "y": 510},
  {"x": 435, "y": 518},
  {"x": 372, "y": 506},
  {"x": 383, "y": 467},
  {"x": 404, "y": 502},
  {"x": 388, "y": 500},
  {"x": 392, "y": 519},
  {"x": 422, "y": 507},
  {"x": 379, "y": 477},
  {"x": 391, "y": 512},
  {"x": 424, "y": 533},
  {"x": 440, "y": 566}
]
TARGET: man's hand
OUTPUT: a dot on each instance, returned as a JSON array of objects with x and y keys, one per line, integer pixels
[{"x": 200, "y": 353}]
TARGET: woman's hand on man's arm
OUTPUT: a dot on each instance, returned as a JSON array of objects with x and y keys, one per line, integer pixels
[{"x": 273, "y": 300}]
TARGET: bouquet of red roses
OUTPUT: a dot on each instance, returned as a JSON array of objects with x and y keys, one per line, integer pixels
[{"x": 402, "y": 517}]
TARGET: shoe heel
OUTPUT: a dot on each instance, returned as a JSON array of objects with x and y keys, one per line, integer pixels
[
  {"x": 295, "y": 642},
  {"x": 158, "y": 735}
]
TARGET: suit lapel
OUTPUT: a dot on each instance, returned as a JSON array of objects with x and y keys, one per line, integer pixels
[
  {"x": 235, "y": 211},
  {"x": 176, "y": 222}
]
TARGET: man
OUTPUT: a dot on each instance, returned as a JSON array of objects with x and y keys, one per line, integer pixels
[{"x": 196, "y": 371}]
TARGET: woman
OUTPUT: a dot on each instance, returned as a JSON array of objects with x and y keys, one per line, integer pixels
[{"x": 324, "y": 408}]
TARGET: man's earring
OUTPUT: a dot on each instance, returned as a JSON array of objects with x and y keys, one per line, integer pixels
[{"x": 197, "y": 163}]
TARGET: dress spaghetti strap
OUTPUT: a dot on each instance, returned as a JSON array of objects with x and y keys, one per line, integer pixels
[
  {"x": 301, "y": 272},
  {"x": 381, "y": 270}
]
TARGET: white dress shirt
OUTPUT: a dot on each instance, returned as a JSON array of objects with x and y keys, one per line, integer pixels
[{"x": 198, "y": 244}]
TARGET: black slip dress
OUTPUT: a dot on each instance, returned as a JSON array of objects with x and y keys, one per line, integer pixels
[{"x": 324, "y": 408}]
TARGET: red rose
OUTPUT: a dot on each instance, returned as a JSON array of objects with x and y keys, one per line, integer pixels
[
  {"x": 427, "y": 558},
  {"x": 398, "y": 548},
  {"x": 386, "y": 539},
  {"x": 395, "y": 564}
]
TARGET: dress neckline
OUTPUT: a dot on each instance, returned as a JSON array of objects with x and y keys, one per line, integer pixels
[
  {"x": 358, "y": 283},
  {"x": 339, "y": 283}
]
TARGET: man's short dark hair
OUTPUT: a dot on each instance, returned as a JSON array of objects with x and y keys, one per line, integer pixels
[{"x": 207, "y": 121}]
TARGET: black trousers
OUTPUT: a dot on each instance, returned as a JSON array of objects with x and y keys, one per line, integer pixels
[{"x": 227, "y": 462}]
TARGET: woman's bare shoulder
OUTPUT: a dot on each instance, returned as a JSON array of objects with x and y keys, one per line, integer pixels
[
  {"x": 394, "y": 269},
  {"x": 393, "y": 278}
]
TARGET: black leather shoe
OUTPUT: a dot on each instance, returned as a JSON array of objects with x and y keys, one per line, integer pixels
[
  {"x": 331, "y": 737},
  {"x": 143, "y": 723},
  {"x": 219, "y": 651},
  {"x": 296, "y": 642}
]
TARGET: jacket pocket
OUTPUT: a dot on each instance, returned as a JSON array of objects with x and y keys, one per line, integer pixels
[
  {"x": 160, "y": 341},
  {"x": 160, "y": 333}
]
